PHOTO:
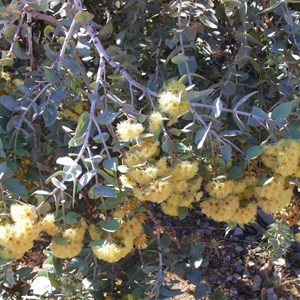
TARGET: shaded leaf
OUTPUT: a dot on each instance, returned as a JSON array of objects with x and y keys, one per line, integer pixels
[
  {"x": 164, "y": 291},
  {"x": 85, "y": 179},
  {"x": 60, "y": 240},
  {"x": 58, "y": 184},
  {"x": 83, "y": 17},
  {"x": 201, "y": 290},
  {"x": 109, "y": 226},
  {"x": 16, "y": 187},
  {"x": 201, "y": 136},
  {"x": 111, "y": 163},
  {"x": 107, "y": 116},
  {"x": 217, "y": 108},
  {"x": 256, "y": 111},
  {"x": 253, "y": 152},
  {"x": 9, "y": 102},
  {"x": 243, "y": 100},
  {"x": 71, "y": 218},
  {"x": 281, "y": 112}
]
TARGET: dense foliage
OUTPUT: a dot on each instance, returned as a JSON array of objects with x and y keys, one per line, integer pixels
[{"x": 114, "y": 112}]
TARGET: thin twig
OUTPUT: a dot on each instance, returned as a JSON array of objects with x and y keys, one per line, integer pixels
[
  {"x": 102, "y": 52},
  {"x": 234, "y": 111},
  {"x": 29, "y": 40},
  {"x": 65, "y": 44},
  {"x": 16, "y": 36},
  {"x": 181, "y": 41}
]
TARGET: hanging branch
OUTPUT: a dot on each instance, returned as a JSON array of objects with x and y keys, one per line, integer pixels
[
  {"x": 181, "y": 41},
  {"x": 102, "y": 52}
]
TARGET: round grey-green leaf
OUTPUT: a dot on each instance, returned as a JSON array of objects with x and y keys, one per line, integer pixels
[
  {"x": 109, "y": 226},
  {"x": 253, "y": 152}
]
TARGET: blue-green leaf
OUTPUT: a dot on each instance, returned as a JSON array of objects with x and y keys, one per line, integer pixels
[
  {"x": 58, "y": 184},
  {"x": 109, "y": 226},
  {"x": 253, "y": 152},
  {"x": 111, "y": 163},
  {"x": 107, "y": 116},
  {"x": 257, "y": 112},
  {"x": 71, "y": 218},
  {"x": 201, "y": 136},
  {"x": 243, "y": 100},
  {"x": 281, "y": 112},
  {"x": 8, "y": 102}
]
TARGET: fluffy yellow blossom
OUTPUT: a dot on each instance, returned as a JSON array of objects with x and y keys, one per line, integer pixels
[
  {"x": 158, "y": 191},
  {"x": 133, "y": 158},
  {"x": 21, "y": 212},
  {"x": 66, "y": 251},
  {"x": 174, "y": 105},
  {"x": 183, "y": 195},
  {"x": 180, "y": 186},
  {"x": 221, "y": 210},
  {"x": 113, "y": 251},
  {"x": 244, "y": 214},
  {"x": 274, "y": 195},
  {"x": 96, "y": 233},
  {"x": 149, "y": 148},
  {"x": 188, "y": 198},
  {"x": 127, "y": 207},
  {"x": 47, "y": 224},
  {"x": 141, "y": 241},
  {"x": 127, "y": 181},
  {"x": 161, "y": 166},
  {"x": 220, "y": 190},
  {"x": 283, "y": 158},
  {"x": 18, "y": 238},
  {"x": 131, "y": 228},
  {"x": 169, "y": 208},
  {"x": 74, "y": 245},
  {"x": 168, "y": 101},
  {"x": 143, "y": 176},
  {"x": 141, "y": 217},
  {"x": 8, "y": 254},
  {"x": 155, "y": 122},
  {"x": 129, "y": 129},
  {"x": 175, "y": 87},
  {"x": 184, "y": 170},
  {"x": 194, "y": 185}
]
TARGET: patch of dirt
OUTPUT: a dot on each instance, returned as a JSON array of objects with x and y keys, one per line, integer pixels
[
  {"x": 239, "y": 267},
  {"x": 35, "y": 257}
]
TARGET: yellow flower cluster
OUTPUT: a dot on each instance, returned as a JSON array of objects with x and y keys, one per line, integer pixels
[
  {"x": 18, "y": 238},
  {"x": 155, "y": 122},
  {"x": 283, "y": 158},
  {"x": 74, "y": 241},
  {"x": 139, "y": 154},
  {"x": 173, "y": 187},
  {"x": 129, "y": 129},
  {"x": 47, "y": 224},
  {"x": 113, "y": 251},
  {"x": 20, "y": 213},
  {"x": 231, "y": 201},
  {"x": 121, "y": 242},
  {"x": 274, "y": 195},
  {"x": 184, "y": 187},
  {"x": 173, "y": 101}
]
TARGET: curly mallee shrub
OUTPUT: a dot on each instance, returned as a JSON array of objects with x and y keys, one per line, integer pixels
[{"x": 119, "y": 118}]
